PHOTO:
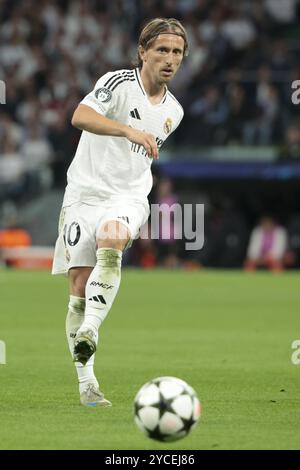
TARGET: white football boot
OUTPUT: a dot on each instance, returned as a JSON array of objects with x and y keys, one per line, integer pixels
[{"x": 92, "y": 396}]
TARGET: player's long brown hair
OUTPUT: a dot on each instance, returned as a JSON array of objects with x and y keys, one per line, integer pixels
[{"x": 158, "y": 26}]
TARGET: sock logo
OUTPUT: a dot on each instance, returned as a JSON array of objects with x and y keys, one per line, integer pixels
[
  {"x": 101, "y": 284},
  {"x": 98, "y": 298}
]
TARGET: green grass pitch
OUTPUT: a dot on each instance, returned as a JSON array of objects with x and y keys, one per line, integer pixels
[{"x": 228, "y": 334}]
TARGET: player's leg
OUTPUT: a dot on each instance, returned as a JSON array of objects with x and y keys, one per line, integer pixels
[
  {"x": 90, "y": 393},
  {"x": 75, "y": 256},
  {"x": 77, "y": 282},
  {"x": 102, "y": 286},
  {"x": 250, "y": 265},
  {"x": 274, "y": 265}
]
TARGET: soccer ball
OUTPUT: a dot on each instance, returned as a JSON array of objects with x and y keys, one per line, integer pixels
[{"x": 166, "y": 409}]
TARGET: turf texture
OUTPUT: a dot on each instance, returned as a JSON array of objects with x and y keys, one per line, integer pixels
[{"x": 228, "y": 334}]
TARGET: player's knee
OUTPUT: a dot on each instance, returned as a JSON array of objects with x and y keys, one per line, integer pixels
[{"x": 113, "y": 235}]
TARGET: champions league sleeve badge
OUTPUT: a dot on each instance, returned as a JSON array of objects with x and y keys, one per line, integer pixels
[{"x": 103, "y": 95}]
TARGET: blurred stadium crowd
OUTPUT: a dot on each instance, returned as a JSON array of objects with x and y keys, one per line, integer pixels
[{"x": 235, "y": 85}]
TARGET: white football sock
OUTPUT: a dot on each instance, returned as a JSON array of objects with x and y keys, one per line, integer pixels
[
  {"x": 74, "y": 320},
  {"x": 102, "y": 287}
]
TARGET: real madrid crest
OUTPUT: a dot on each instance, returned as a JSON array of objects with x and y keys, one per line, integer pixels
[{"x": 168, "y": 126}]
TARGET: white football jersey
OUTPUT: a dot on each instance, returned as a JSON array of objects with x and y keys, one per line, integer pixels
[{"x": 106, "y": 167}]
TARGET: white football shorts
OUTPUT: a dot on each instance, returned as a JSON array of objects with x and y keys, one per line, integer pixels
[{"x": 78, "y": 226}]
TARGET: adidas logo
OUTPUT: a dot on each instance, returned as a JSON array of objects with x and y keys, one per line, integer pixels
[
  {"x": 98, "y": 298},
  {"x": 135, "y": 114},
  {"x": 126, "y": 219}
]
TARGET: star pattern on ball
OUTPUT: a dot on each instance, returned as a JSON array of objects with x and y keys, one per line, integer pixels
[
  {"x": 159, "y": 412},
  {"x": 163, "y": 405}
]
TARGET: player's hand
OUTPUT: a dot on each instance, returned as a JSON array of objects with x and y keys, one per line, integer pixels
[{"x": 146, "y": 140}]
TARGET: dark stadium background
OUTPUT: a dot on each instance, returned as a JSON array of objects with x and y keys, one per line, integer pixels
[{"x": 237, "y": 149}]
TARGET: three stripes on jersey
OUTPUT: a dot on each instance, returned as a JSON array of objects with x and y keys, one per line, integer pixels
[{"x": 119, "y": 78}]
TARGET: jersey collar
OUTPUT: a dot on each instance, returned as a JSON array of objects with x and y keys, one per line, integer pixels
[{"x": 140, "y": 82}]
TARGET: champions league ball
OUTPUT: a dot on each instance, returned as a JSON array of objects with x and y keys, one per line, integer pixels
[{"x": 166, "y": 409}]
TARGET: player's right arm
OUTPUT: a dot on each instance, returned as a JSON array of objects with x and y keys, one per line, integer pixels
[{"x": 87, "y": 119}]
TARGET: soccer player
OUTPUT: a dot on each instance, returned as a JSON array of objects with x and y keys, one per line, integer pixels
[{"x": 125, "y": 120}]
